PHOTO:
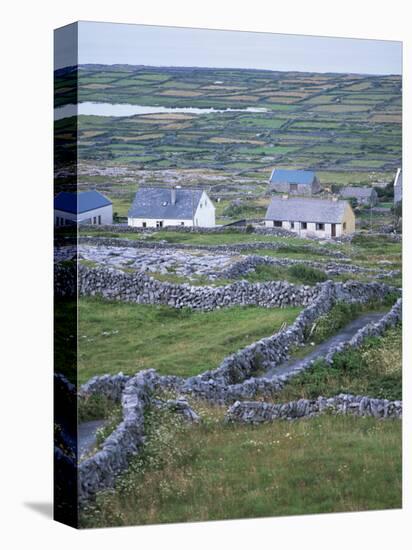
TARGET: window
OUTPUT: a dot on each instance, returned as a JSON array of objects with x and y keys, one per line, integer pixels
[
  {"x": 303, "y": 225},
  {"x": 144, "y": 224},
  {"x": 277, "y": 223},
  {"x": 94, "y": 220},
  {"x": 182, "y": 223},
  {"x": 99, "y": 220},
  {"x": 159, "y": 223},
  {"x": 292, "y": 225},
  {"x": 293, "y": 187},
  {"x": 320, "y": 227}
]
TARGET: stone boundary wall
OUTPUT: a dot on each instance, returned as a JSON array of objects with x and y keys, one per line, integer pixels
[
  {"x": 256, "y": 412},
  {"x": 245, "y": 266},
  {"x": 273, "y": 231},
  {"x": 137, "y": 287},
  {"x": 100, "y": 470},
  {"x": 228, "y": 381},
  {"x": 234, "y": 378},
  {"x": 226, "y": 248}
]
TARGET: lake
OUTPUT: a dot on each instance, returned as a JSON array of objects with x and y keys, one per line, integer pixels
[{"x": 127, "y": 109}]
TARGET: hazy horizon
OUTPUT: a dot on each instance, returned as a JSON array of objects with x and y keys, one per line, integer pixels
[{"x": 157, "y": 46}]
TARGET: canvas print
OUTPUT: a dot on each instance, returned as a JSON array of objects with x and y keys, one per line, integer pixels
[{"x": 228, "y": 274}]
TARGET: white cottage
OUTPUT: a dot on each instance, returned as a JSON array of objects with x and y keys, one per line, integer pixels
[
  {"x": 177, "y": 206},
  {"x": 308, "y": 217},
  {"x": 86, "y": 207}
]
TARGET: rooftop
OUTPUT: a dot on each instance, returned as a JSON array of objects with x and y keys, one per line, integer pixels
[
  {"x": 77, "y": 203},
  {"x": 306, "y": 210},
  {"x": 305, "y": 177},
  {"x": 361, "y": 192},
  {"x": 156, "y": 202}
]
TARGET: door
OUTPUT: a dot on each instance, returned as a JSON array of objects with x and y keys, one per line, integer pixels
[{"x": 334, "y": 230}]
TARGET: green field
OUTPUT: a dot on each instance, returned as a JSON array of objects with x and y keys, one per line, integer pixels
[
  {"x": 218, "y": 471},
  {"x": 116, "y": 336},
  {"x": 356, "y": 119}
]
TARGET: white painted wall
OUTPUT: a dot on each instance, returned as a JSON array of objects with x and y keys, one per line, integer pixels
[
  {"x": 138, "y": 222},
  {"x": 105, "y": 213},
  {"x": 205, "y": 212},
  {"x": 310, "y": 230}
]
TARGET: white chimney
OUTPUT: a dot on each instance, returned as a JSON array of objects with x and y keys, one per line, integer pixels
[{"x": 173, "y": 195}]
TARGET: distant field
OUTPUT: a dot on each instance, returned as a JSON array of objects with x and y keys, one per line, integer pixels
[{"x": 347, "y": 126}]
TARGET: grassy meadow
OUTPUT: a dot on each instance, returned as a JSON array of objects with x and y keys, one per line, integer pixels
[
  {"x": 116, "y": 336},
  {"x": 217, "y": 471}
]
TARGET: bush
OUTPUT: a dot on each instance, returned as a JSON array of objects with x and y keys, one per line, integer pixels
[
  {"x": 307, "y": 275},
  {"x": 250, "y": 228}
]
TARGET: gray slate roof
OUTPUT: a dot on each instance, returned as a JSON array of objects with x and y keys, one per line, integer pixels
[
  {"x": 357, "y": 192},
  {"x": 306, "y": 210},
  {"x": 279, "y": 175},
  {"x": 155, "y": 203}
]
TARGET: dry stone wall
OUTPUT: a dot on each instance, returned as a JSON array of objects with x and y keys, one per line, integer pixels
[
  {"x": 231, "y": 381},
  {"x": 256, "y": 412},
  {"x": 113, "y": 284}
]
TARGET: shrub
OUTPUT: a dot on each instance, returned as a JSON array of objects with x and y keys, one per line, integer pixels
[{"x": 307, "y": 275}]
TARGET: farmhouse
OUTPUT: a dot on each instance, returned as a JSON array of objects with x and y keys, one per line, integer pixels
[
  {"x": 294, "y": 182},
  {"x": 161, "y": 207},
  {"x": 311, "y": 217},
  {"x": 87, "y": 207},
  {"x": 397, "y": 186},
  {"x": 363, "y": 195}
]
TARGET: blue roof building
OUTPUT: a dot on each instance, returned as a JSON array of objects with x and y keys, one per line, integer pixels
[
  {"x": 83, "y": 207},
  {"x": 294, "y": 182}
]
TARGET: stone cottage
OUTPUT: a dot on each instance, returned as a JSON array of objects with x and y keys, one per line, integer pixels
[
  {"x": 308, "y": 217},
  {"x": 294, "y": 182},
  {"x": 364, "y": 195},
  {"x": 176, "y": 206}
]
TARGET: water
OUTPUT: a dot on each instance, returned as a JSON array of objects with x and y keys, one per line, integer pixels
[{"x": 127, "y": 109}]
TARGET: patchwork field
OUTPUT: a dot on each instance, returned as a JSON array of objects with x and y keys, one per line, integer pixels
[{"x": 346, "y": 127}]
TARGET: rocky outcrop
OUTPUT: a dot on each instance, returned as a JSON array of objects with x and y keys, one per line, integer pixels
[
  {"x": 256, "y": 412},
  {"x": 222, "y": 248}
]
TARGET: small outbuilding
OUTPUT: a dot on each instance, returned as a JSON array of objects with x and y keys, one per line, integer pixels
[
  {"x": 397, "y": 186},
  {"x": 364, "y": 195},
  {"x": 86, "y": 207},
  {"x": 294, "y": 182},
  {"x": 308, "y": 217},
  {"x": 176, "y": 206}
]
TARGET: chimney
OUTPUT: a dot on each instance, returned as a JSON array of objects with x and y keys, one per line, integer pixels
[{"x": 173, "y": 195}]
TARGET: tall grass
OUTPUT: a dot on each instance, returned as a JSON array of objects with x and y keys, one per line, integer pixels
[
  {"x": 116, "y": 336},
  {"x": 219, "y": 471}
]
